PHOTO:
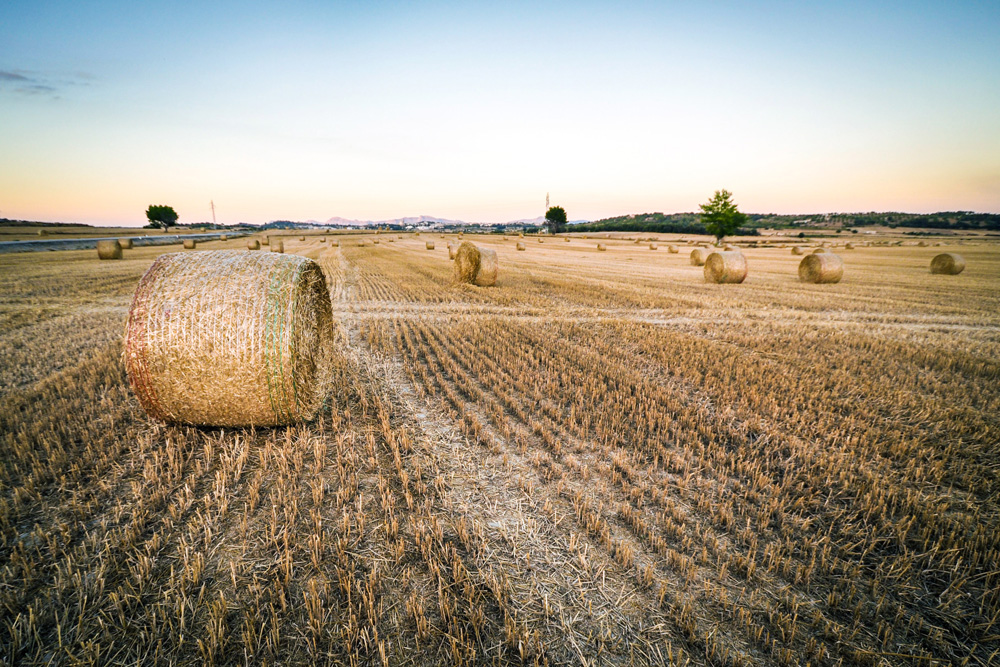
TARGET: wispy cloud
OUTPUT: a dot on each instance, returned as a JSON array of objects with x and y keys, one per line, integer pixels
[{"x": 31, "y": 83}]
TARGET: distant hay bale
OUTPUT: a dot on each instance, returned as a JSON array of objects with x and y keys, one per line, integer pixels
[
  {"x": 948, "y": 263},
  {"x": 335, "y": 243},
  {"x": 520, "y": 246},
  {"x": 429, "y": 245},
  {"x": 848, "y": 246},
  {"x": 125, "y": 243},
  {"x": 416, "y": 233},
  {"x": 821, "y": 267},
  {"x": 819, "y": 251},
  {"x": 922, "y": 244},
  {"x": 42, "y": 232},
  {"x": 266, "y": 240},
  {"x": 375, "y": 241},
  {"x": 567, "y": 239},
  {"x": 475, "y": 265},
  {"x": 730, "y": 248},
  {"x": 302, "y": 238},
  {"x": 652, "y": 246},
  {"x": 601, "y": 247},
  {"x": 190, "y": 244},
  {"x": 223, "y": 237},
  {"x": 451, "y": 251},
  {"x": 727, "y": 266},
  {"x": 797, "y": 250},
  {"x": 698, "y": 256},
  {"x": 520, "y": 235},
  {"x": 361, "y": 243},
  {"x": 322, "y": 239},
  {"x": 253, "y": 244},
  {"x": 672, "y": 249},
  {"x": 109, "y": 249},
  {"x": 228, "y": 338},
  {"x": 539, "y": 240},
  {"x": 278, "y": 246}
]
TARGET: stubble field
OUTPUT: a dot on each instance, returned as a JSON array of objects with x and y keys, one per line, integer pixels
[{"x": 601, "y": 460}]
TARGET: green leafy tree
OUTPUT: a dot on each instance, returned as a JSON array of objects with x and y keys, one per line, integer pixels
[
  {"x": 161, "y": 216},
  {"x": 555, "y": 219},
  {"x": 720, "y": 215}
]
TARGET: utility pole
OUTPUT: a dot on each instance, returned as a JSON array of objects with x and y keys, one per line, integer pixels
[
  {"x": 546, "y": 202},
  {"x": 213, "y": 210}
]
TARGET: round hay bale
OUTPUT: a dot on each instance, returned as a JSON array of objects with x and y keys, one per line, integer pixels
[
  {"x": 922, "y": 244},
  {"x": 475, "y": 265},
  {"x": 190, "y": 244},
  {"x": 601, "y": 247},
  {"x": 451, "y": 251},
  {"x": 520, "y": 235},
  {"x": 797, "y": 250},
  {"x": 278, "y": 246},
  {"x": 361, "y": 243},
  {"x": 109, "y": 249},
  {"x": 820, "y": 251},
  {"x": 125, "y": 243},
  {"x": 539, "y": 240},
  {"x": 223, "y": 237},
  {"x": 429, "y": 245},
  {"x": 672, "y": 249},
  {"x": 42, "y": 232},
  {"x": 520, "y": 246},
  {"x": 253, "y": 244},
  {"x": 567, "y": 239},
  {"x": 335, "y": 243},
  {"x": 698, "y": 256},
  {"x": 652, "y": 246},
  {"x": 227, "y": 338},
  {"x": 727, "y": 266},
  {"x": 266, "y": 240},
  {"x": 375, "y": 241},
  {"x": 322, "y": 239},
  {"x": 302, "y": 238},
  {"x": 948, "y": 263},
  {"x": 848, "y": 246},
  {"x": 730, "y": 248},
  {"x": 821, "y": 267}
]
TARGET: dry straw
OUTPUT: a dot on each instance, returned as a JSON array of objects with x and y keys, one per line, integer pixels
[
  {"x": 322, "y": 239},
  {"x": 520, "y": 246},
  {"x": 698, "y": 256},
  {"x": 109, "y": 249},
  {"x": 375, "y": 242},
  {"x": 266, "y": 240},
  {"x": 652, "y": 246},
  {"x": 335, "y": 243},
  {"x": 228, "y": 338},
  {"x": 730, "y": 248},
  {"x": 189, "y": 244},
  {"x": 726, "y": 266},
  {"x": 451, "y": 251},
  {"x": 278, "y": 246},
  {"x": 821, "y": 267},
  {"x": 476, "y": 265},
  {"x": 948, "y": 263},
  {"x": 125, "y": 243},
  {"x": 601, "y": 247},
  {"x": 302, "y": 238},
  {"x": 253, "y": 244},
  {"x": 848, "y": 246},
  {"x": 672, "y": 249},
  {"x": 797, "y": 250},
  {"x": 429, "y": 245}
]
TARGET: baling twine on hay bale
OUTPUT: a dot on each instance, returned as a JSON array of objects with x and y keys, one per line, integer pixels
[
  {"x": 189, "y": 244},
  {"x": 476, "y": 265},
  {"x": 698, "y": 256},
  {"x": 821, "y": 267},
  {"x": 278, "y": 246},
  {"x": 125, "y": 243},
  {"x": 229, "y": 338},
  {"x": 253, "y": 244},
  {"x": 109, "y": 249},
  {"x": 726, "y": 266},
  {"x": 948, "y": 263}
]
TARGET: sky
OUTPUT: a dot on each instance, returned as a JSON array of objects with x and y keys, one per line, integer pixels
[{"x": 373, "y": 110}]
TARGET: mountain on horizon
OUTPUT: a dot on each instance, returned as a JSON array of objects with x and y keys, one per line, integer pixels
[{"x": 337, "y": 221}]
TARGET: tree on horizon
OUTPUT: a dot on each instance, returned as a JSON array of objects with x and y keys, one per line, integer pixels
[
  {"x": 555, "y": 219},
  {"x": 720, "y": 215},
  {"x": 160, "y": 215}
]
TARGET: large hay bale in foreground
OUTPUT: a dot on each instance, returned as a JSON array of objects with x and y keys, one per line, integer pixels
[
  {"x": 821, "y": 267},
  {"x": 228, "y": 338},
  {"x": 278, "y": 246},
  {"x": 190, "y": 244},
  {"x": 476, "y": 265},
  {"x": 726, "y": 266},
  {"x": 253, "y": 244},
  {"x": 429, "y": 245},
  {"x": 125, "y": 243},
  {"x": 948, "y": 263},
  {"x": 109, "y": 249},
  {"x": 520, "y": 246},
  {"x": 698, "y": 256}
]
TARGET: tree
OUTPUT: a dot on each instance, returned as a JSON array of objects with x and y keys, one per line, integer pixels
[
  {"x": 555, "y": 219},
  {"x": 161, "y": 216},
  {"x": 720, "y": 215}
]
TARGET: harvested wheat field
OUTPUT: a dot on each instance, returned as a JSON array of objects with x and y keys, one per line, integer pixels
[{"x": 602, "y": 459}]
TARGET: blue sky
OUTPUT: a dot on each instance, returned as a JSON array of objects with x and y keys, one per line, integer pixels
[{"x": 307, "y": 110}]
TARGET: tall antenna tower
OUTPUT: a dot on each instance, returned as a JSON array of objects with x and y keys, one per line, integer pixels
[
  {"x": 212, "y": 202},
  {"x": 546, "y": 202}
]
